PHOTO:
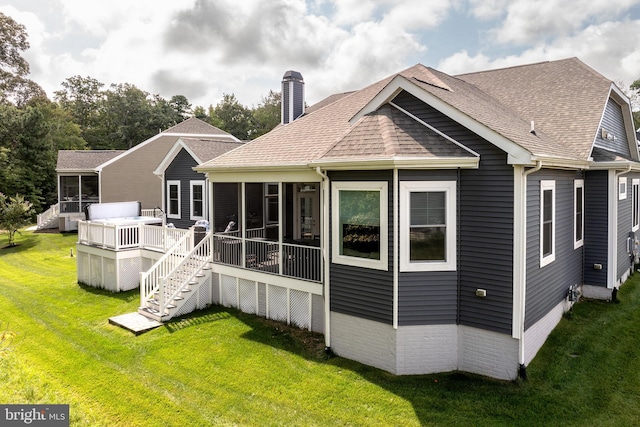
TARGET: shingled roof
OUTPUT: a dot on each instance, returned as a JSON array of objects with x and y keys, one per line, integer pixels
[
  {"x": 84, "y": 160},
  {"x": 209, "y": 148},
  {"x": 195, "y": 126},
  {"x": 565, "y": 100}
]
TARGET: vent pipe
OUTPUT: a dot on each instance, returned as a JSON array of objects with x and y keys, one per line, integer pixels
[{"x": 292, "y": 96}]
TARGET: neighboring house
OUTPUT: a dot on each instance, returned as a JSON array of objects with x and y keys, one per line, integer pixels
[
  {"x": 78, "y": 186},
  {"x": 426, "y": 223},
  {"x": 119, "y": 176},
  {"x": 185, "y": 196}
]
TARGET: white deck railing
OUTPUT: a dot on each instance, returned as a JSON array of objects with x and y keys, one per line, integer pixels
[
  {"x": 286, "y": 259},
  {"x": 119, "y": 237},
  {"x": 150, "y": 280},
  {"x": 49, "y": 214}
]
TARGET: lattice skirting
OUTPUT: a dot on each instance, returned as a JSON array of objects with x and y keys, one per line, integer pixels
[{"x": 291, "y": 306}]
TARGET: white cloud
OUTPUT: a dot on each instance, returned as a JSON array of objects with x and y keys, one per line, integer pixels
[
  {"x": 529, "y": 21},
  {"x": 611, "y": 48}
]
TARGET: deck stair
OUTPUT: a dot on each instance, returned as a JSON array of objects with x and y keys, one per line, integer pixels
[
  {"x": 49, "y": 218},
  {"x": 174, "y": 281}
]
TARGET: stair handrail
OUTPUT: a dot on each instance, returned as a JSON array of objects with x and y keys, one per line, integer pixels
[
  {"x": 201, "y": 254},
  {"x": 149, "y": 280},
  {"x": 52, "y": 212}
]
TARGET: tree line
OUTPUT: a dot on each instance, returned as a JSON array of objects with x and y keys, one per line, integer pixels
[{"x": 84, "y": 114}]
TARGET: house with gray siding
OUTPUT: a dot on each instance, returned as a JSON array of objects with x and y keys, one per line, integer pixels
[
  {"x": 184, "y": 196},
  {"x": 107, "y": 176},
  {"x": 431, "y": 223}
]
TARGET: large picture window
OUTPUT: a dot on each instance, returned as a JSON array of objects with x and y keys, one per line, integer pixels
[
  {"x": 197, "y": 200},
  {"x": 578, "y": 207},
  {"x": 359, "y": 222},
  {"x": 428, "y": 226},
  {"x": 547, "y": 222},
  {"x": 173, "y": 199}
]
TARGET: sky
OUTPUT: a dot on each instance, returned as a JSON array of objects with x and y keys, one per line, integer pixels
[{"x": 203, "y": 49}]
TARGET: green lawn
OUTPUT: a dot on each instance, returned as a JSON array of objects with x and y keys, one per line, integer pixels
[{"x": 222, "y": 367}]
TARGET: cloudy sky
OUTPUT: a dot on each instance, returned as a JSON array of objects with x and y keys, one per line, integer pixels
[{"x": 204, "y": 48}]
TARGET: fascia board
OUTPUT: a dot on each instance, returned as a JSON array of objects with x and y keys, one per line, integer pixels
[{"x": 399, "y": 163}]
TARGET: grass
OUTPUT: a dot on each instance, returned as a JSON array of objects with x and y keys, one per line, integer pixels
[{"x": 223, "y": 367}]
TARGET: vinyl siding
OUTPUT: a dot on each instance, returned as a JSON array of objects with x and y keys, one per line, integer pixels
[
  {"x": 596, "y": 219},
  {"x": 427, "y": 297},
  {"x": 357, "y": 291},
  {"x": 180, "y": 170},
  {"x": 131, "y": 177},
  {"x": 613, "y": 122},
  {"x": 485, "y": 228},
  {"x": 548, "y": 286},
  {"x": 625, "y": 225}
]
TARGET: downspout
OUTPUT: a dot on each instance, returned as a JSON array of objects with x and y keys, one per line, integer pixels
[
  {"x": 522, "y": 268},
  {"x": 395, "y": 248},
  {"x": 325, "y": 256}
]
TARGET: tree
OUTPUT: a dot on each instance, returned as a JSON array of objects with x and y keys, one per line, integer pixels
[
  {"x": 635, "y": 102},
  {"x": 234, "y": 117},
  {"x": 267, "y": 115},
  {"x": 15, "y": 87},
  {"x": 82, "y": 98},
  {"x": 15, "y": 213}
]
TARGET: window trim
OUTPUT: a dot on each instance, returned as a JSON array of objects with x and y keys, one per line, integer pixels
[
  {"x": 336, "y": 257},
  {"x": 169, "y": 213},
  {"x": 449, "y": 188},
  {"x": 192, "y": 184},
  {"x": 578, "y": 184},
  {"x": 622, "y": 183},
  {"x": 546, "y": 185}
]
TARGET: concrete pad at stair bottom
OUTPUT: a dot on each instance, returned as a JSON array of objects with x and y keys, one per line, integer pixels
[{"x": 134, "y": 322}]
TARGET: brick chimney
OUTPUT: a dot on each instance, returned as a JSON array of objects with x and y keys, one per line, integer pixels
[{"x": 292, "y": 96}]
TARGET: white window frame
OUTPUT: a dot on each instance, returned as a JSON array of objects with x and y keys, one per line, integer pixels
[
  {"x": 546, "y": 185},
  {"x": 635, "y": 204},
  {"x": 622, "y": 188},
  {"x": 449, "y": 188},
  {"x": 191, "y": 200},
  {"x": 578, "y": 241},
  {"x": 337, "y": 258},
  {"x": 169, "y": 213}
]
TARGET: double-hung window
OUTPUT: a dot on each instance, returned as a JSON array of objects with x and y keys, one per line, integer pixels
[
  {"x": 197, "y": 200},
  {"x": 173, "y": 199},
  {"x": 578, "y": 208},
  {"x": 428, "y": 226},
  {"x": 547, "y": 222},
  {"x": 635, "y": 205},
  {"x": 359, "y": 224}
]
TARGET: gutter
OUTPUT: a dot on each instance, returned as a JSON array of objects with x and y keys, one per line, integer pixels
[
  {"x": 612, "y": 229},
  {"x": 325, "y": 255}
]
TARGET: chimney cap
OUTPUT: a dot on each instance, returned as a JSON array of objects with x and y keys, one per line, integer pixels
[{"x": 292, "y": 75}]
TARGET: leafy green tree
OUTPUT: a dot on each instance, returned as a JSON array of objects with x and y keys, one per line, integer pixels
[
  {"x": 232, "y": 116},
  {"x": 83, "y": 99},
  {"x": 15, "y": 87},
  {"x": 267, "y": 115},
  {"x": 635, "y": 102},
  {"x": 15, "y": 213}
]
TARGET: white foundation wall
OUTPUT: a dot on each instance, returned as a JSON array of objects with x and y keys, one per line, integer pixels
[
  {"x": 427, "y": 349},
  {"x": 365, "y": 341},
  {"x": 487, "y": 353},
  {"x": 536, "y": 335}
]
